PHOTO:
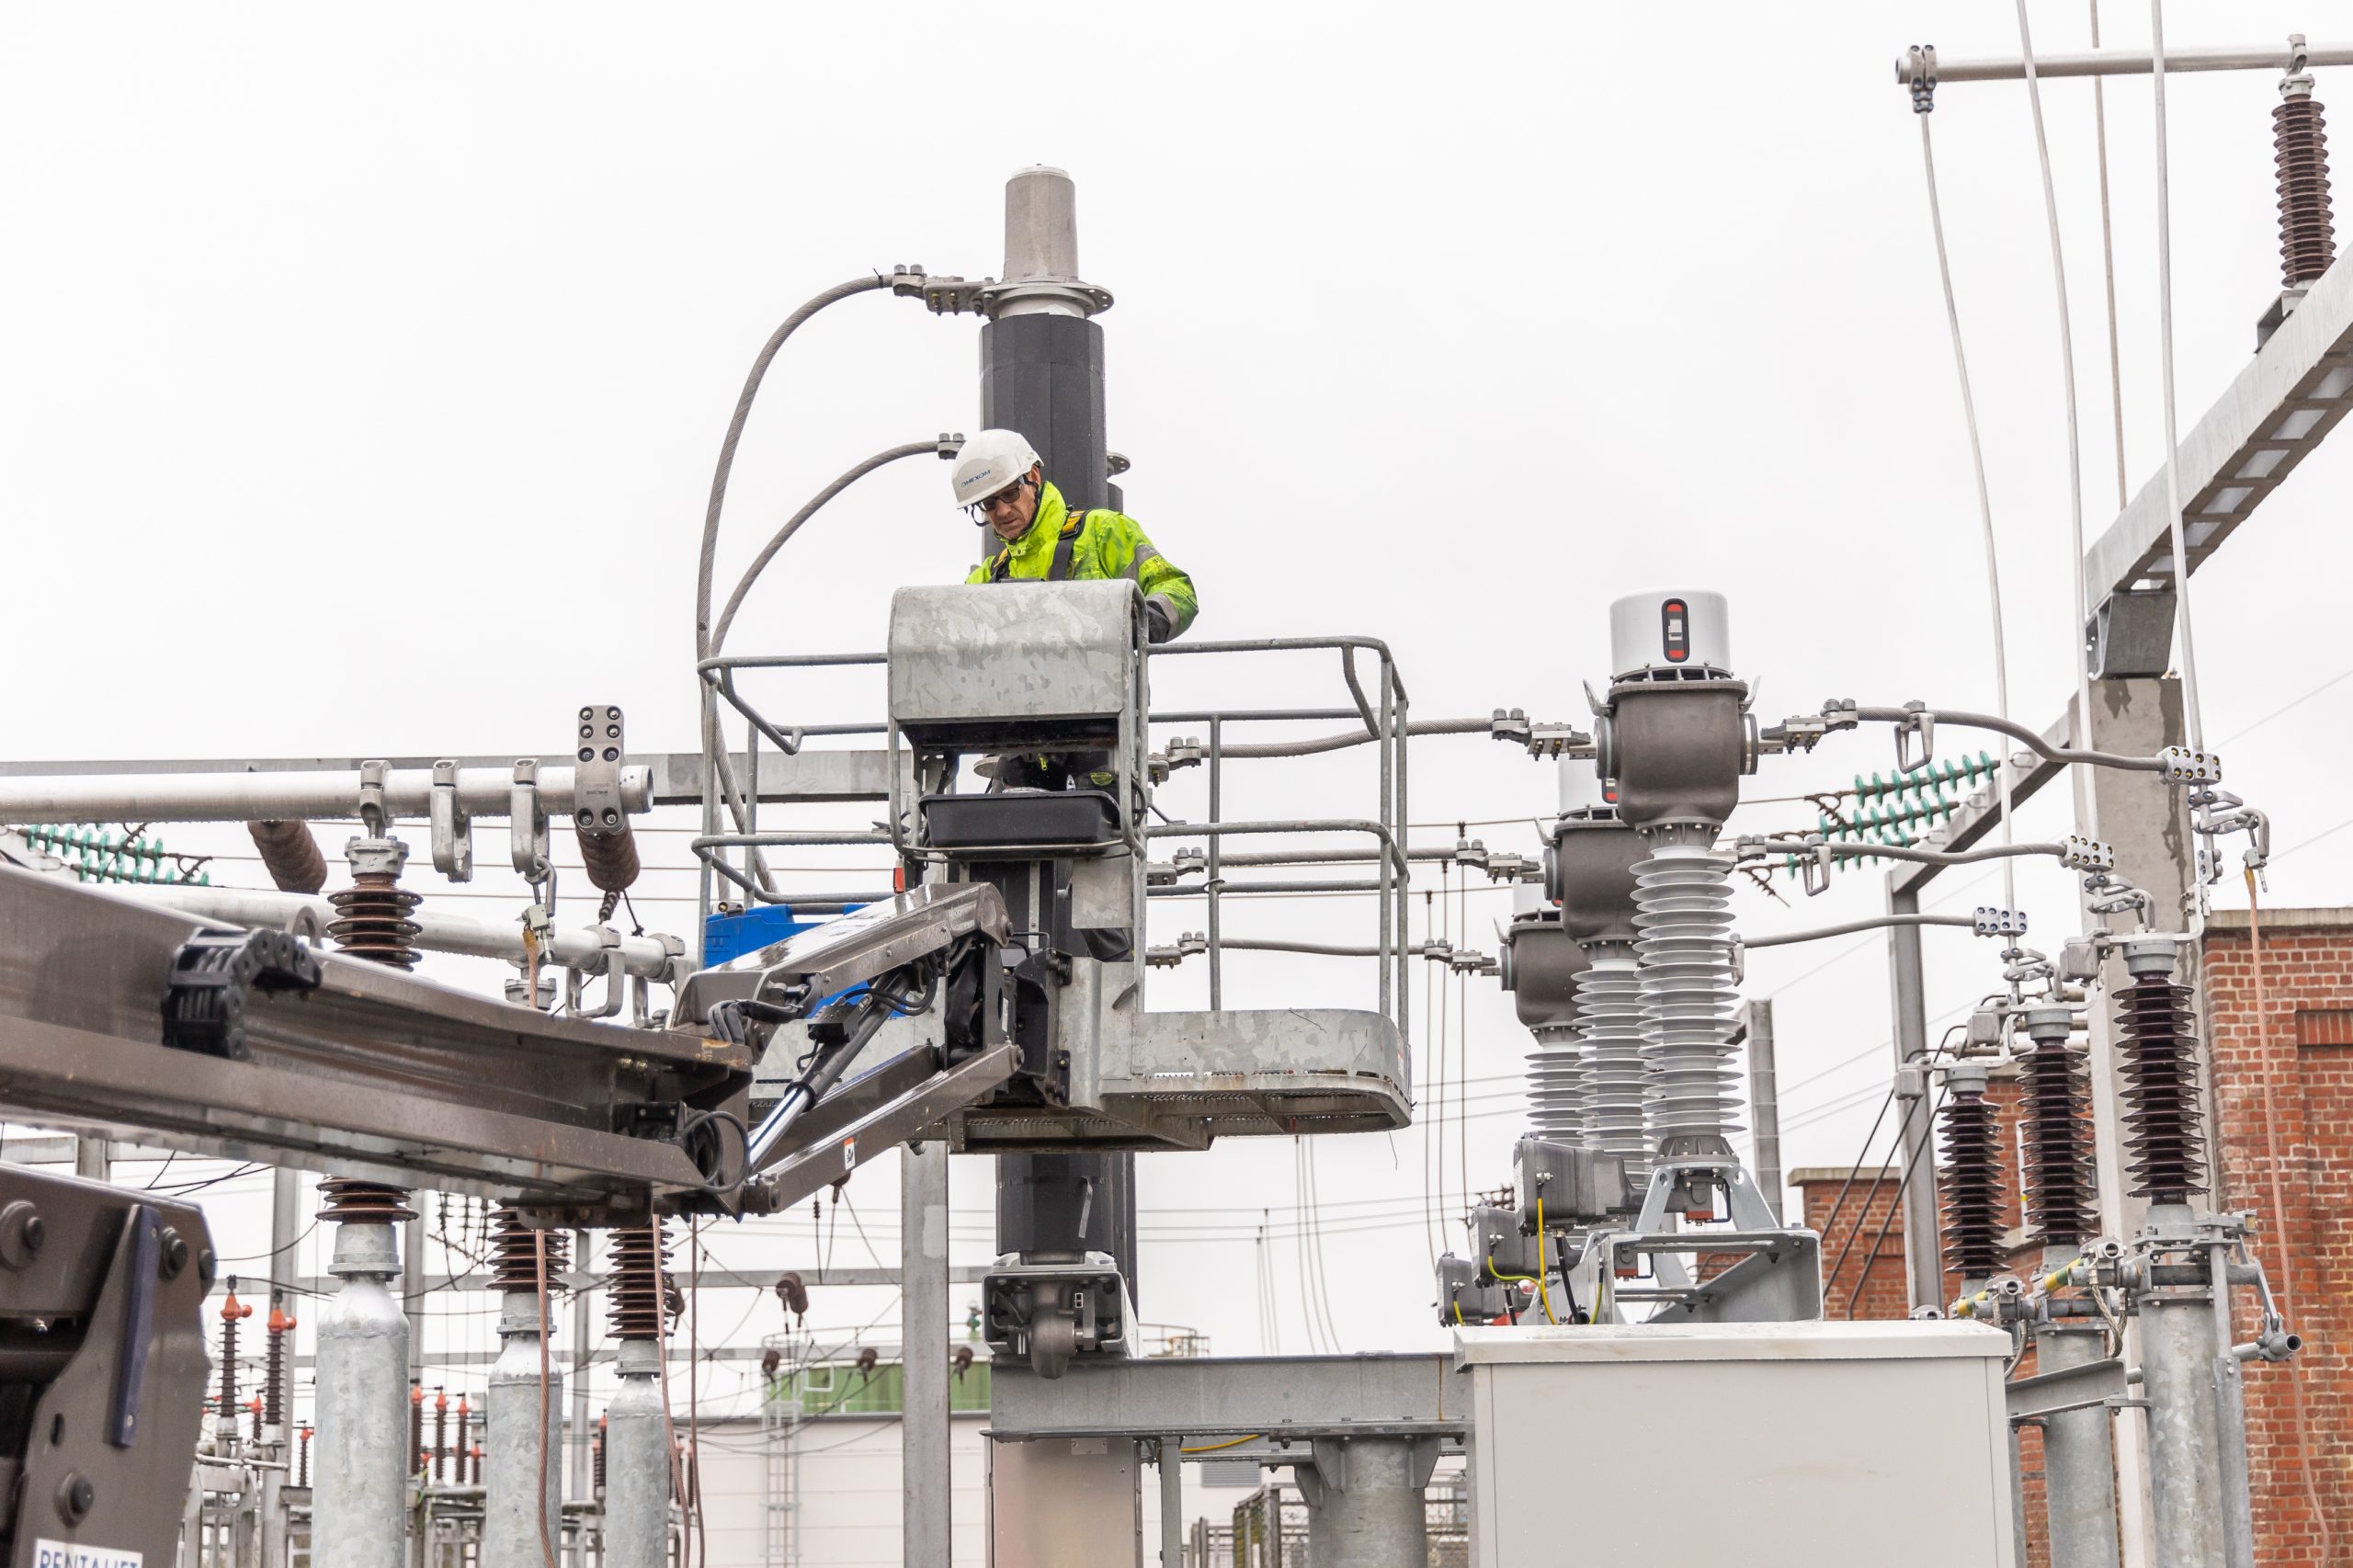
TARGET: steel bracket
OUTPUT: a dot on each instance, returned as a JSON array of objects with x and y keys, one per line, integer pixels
[{"x": 453, "y": 834}]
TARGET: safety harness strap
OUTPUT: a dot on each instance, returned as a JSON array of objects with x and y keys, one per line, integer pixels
[{"x": 1066, "y": 548}]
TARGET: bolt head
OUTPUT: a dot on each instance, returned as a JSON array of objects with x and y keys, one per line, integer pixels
[{"x": 75, "y": 1497}]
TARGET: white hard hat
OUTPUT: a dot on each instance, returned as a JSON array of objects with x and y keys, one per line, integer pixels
[{"x": 989, "y": 461}]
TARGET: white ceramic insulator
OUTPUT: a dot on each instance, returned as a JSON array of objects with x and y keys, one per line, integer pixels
[
  {"x": 1682, "y": 904},
  {"x": 1609, "y": 1003},
  {"x": 1558, "y": 1085}
]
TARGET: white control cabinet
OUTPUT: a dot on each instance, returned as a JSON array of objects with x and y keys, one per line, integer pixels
[{"x": 1799, "y": 1445}]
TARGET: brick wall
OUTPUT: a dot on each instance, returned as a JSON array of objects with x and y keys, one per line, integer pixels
[{"x": 2301, "y": 1042}]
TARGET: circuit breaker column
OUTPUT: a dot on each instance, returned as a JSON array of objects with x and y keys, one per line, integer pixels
[{"x": 1041, "y": 374}]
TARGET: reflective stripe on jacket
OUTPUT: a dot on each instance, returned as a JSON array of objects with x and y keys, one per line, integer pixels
[{"x": 1107, "y": 544}]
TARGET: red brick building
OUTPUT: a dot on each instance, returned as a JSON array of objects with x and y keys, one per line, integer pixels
[{"x": 2297, "y": 1045}]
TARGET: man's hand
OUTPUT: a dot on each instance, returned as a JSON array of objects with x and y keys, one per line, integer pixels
[{"x": 1157, "y": 626}]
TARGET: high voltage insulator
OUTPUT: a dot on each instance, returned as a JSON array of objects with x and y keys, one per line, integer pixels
[
  {"x": 515, "y": 1254},
  {"x": 1933, "y": 776},
  {"x": 639, "y": 1297},
  {"x": 372, "y": 914},
  {"x": 1558, "y": 1085},
  {"x": 291, "y": 855},
  {"x": 2300, "y": 146},
  {"x": 273, "y": 1386},
  {"x": 363, "y": 1202},
  {"x": 1609, "y": 999},
  {"x": 94, "y": 856},
  {"x": 1684, "y": 893},
  {"x": 2157, "y": 1054},
  {"x": 1887, "y": 810},
  {"x": 2059, "y": 1183},
  {"x": 1970, "y": 1181},
  {"x": 232, "y": 1312}
]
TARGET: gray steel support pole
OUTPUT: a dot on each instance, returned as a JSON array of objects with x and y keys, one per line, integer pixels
[
  {"x": 2230, "y": 1421},
  {"x": 923, "y": 1319},
  {"x": 1371, "y": 1513},
  {"x": 285, "y": 1229},
  {"x": 2185, "y": 1456},
  {"x": 1765, "y": 1103},
  {"x": 413, "y": 1290},
  {"x": 637, "y": 1464},
  {"x": 1172, "y": 1501},
  {"x": 359, "y": 1452},
  {"x": 2078, "y": 1474},
  {"x": 2149, "y": 831},
  {"x": 1041, "y": 374},
  {"x": 522, "y": 1430},
  {"x": 1924, "y": 1276},
  {"x": 582, "y": 1431}
]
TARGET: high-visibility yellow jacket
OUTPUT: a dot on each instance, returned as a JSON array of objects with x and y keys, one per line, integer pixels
[{"x": 1094, "y": 545}]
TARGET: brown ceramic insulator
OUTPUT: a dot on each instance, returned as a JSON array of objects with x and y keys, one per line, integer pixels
[
  {"x": 1971, "y": 1180},
  {"x": 290, "y": 855},
  {"x": 302, "y": 1459},
  {"x": 596, "y": 1457},
  {"x": 2300, "y": 146},
  {"x": 273, "y": 1369},
  {"x": 611, "y": 858},
  {"x": 2157, "y": 1053},
  {"x": 2059, "y": 1183},
  {"x": 253, "y": 1408},
  {"x": 638, "y": 1298},
  {"x": 415, "y": 1430},
  {"x": 515, "y": 1254},
  {"x": 232, "y": 1312},
  {"x": 371, "y": 920},
  {"x": 362, "y": 1202},
  {"x": 441, "y": 1435}
]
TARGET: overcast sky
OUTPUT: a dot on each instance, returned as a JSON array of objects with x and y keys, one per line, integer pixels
[{"x": 361, "y": 373}]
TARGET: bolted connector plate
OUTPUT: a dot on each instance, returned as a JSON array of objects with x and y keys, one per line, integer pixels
[
  {"x": 2182, "y": 765},
  {"x": 2080, "y": 854},
  {"x": 1994, "y": 922}
]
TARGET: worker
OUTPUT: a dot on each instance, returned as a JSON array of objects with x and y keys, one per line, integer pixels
[{"x": 1001, "y": 482}]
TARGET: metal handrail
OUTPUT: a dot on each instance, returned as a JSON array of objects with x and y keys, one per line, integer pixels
[{"x": 1382, "y": 709}]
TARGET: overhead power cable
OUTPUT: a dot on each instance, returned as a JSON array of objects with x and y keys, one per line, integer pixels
[
  {"x": 1922, "y": 107},
  {"x": 2090, "y": 797},
  {"x": 2108, "y": 266}
]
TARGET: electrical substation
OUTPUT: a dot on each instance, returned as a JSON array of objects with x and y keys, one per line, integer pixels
[{"x": 985, "y": 917}]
